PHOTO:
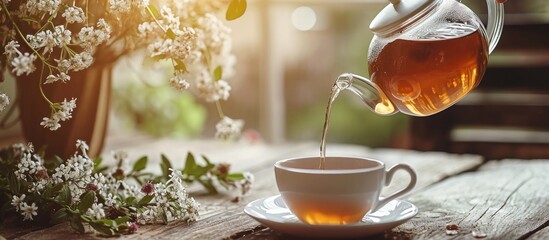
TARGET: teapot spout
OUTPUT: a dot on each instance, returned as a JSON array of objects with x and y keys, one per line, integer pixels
[{"x": 368, "y": 91}]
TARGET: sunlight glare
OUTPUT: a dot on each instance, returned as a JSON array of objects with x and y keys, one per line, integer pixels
[{"x": 304, "y": 18}]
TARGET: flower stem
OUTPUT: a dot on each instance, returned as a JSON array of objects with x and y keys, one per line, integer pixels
[
  {"x": 219, "y": 109},
  {"x": 21, "y": 34},
  {"x": 41, "y": 89},
  {"x": 155, "y": 19}
]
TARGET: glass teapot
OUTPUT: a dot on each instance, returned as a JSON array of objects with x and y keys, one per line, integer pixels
[{"x": 425, "y": 56}]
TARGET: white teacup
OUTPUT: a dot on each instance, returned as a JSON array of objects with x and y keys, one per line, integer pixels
[{"x": 347, "y": 189}]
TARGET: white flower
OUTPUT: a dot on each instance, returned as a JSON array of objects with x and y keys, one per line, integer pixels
[
  {"x": 42, "y": 6},
  {"x": 81, "y": 61},
  {"x": 183, "y": 43},
  {"x": 90, "y": 37},
  {"x": 50, "y": 123},
  {"x": 104, "y": 26},
  {"x": 23, "y": 64},
  {"x": 210, "y": 90},
  {"x": 171, "y": 21},
  {"x": 156, "y": 49},
  {"x": 249, "y": 177},
  {"x": 4, "y": 101},
  {"x": 146, "y": 29},
  {"x": 29, "y": 164},
  {"x": 96, "y": 211},
  {"x": 11, "y": 49},
  {"x": 119, "y": 6},
  {"x": 38, "y": 185},
  {"x": 62, "y": 36},
  {"x": 74, "y": 14},
  {"x": 110, "y": 200},
  {"x": 28, "y": 211},
  {"x": 64, "y": 65},
  {"x": 246, "y": 183},
  {"x": 63, "y": 112},
  {"x": 73, "y": 169},
  {"x": 66, "y": 108},
  {"x": 86, "y": 34},
  {"x": 141, "y": 3},
  {"x": 179, "y": 82},
  {"x": 63, "y": 77},
  {"x": 17, "y": 201},
  {"x": 228, "y": 128},
  {"x": 82, "y": 145},
  {"x": 149, "y": 215},
  {"x": 222, "y": 89}
]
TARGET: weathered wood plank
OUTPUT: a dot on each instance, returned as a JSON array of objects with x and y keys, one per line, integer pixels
[
  {"x": 222, "y": 218},
  {"x": 542, "y": 234},
  {"x": 505, "y": 199}
]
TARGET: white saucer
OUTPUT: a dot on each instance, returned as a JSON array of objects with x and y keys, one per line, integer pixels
[{"x": 273, "y": 213}]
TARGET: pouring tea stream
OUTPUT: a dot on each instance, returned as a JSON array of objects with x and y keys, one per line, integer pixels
[{"x": 425, "y": 56}]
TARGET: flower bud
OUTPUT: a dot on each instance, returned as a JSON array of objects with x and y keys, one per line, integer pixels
[
  {"x": 92, "y": 187},
  {"x": 147, "y": 188}
]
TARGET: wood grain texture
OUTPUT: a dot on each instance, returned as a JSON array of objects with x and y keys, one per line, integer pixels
[
  {"x": 222, "y": 218},
  {"x": 505, "y": 199}
]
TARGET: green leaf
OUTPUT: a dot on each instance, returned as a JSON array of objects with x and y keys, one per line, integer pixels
[
  {"x": 190, "y": 164},
  {"x": 59, "y": 216},
  {"x": 96, "y": 165},
  {"x": 165, "y": 165},
  {"x": 235, "y": 176},
  {"x": 159, "y": 57},
  {"x": 199, "y": 171},
  {"x": 208, "y": 184},
  {"x": 180, "y": 65},
  {"x": 153, "y": 11},
  {"x": 102, "y": 228},
  {"x": 122, "y": 220},
  {"x": 236, "y": 9},
  {"x": 218, "y": 73},
  {"x": 145, "y": 200},
  {"x": 130, "y": 200},
  {"x": 97, "y": 161},
  {"x": 86, "y": 201},
  {"x": 100, "y": 199},
  {"x": 106, "y": 222},
  {"x": 100, "y": 169},
  {"x": 164, "y": 217},
  {"x": 140, "y": 164},
  {"x": 53, "y": 190},
  {"x": 77, "y": 225},
  {"x": 170, "y": 34},
  {"x": 207, "y": 160},
  {"x": 64, "y": 196},
  {"x": 84, "y": 218}
]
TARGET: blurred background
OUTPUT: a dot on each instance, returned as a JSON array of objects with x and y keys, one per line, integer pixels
[{"x": 289, "y": 53}]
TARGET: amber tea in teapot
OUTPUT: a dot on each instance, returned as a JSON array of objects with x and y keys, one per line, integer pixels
[
  {"x": 424, "y": 76},
  {"x": 425, "y": 56}
]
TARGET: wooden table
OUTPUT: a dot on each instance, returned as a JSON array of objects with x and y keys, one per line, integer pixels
[{"x": 505, "y": 199}]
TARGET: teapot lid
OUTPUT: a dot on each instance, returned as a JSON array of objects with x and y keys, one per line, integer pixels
[{"x": 399, "y": 14}]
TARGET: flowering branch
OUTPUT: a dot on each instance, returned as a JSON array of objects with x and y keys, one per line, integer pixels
[
  {"x": 83, "y": 193},
  {"x": 68, "y": 36}
]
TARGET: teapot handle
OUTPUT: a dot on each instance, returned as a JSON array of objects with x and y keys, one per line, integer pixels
[{"x": 495, "y": 23}]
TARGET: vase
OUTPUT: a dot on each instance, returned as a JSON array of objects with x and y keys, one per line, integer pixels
[{"x": 92, "y": 89}]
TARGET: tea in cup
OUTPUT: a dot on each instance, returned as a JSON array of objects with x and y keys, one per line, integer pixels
[{"x": 343, "y": 192}]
